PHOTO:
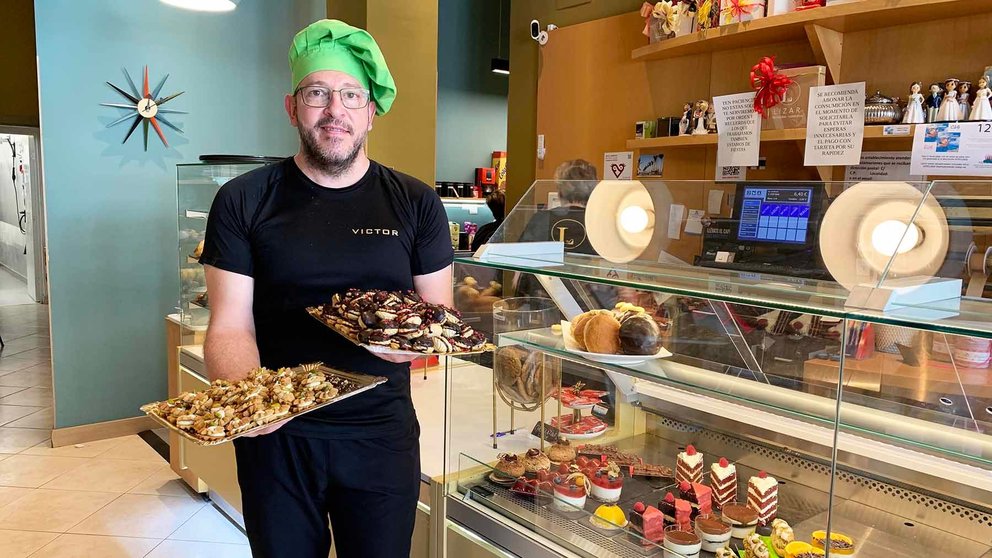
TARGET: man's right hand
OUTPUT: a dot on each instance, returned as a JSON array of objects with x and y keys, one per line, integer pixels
[{"x": 268, "y": 429}]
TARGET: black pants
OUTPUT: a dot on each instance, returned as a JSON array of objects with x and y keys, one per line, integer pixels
[{"x": 292, "y": 485}]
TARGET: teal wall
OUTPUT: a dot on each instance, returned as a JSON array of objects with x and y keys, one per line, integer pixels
[
  {"x": 111, "y": 208},
  {"x": 471, "y": 100}
]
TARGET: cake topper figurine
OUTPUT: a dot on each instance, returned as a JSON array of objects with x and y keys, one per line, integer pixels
[
  {"x": 914, "y": 107},
  {"x": 949, "y": 108},
  {"x": 982, "y": 109}
]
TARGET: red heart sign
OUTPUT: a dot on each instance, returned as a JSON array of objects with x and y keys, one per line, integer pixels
[{"x": 617, "y": 169}]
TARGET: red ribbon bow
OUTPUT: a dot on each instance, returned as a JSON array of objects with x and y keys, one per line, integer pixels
[{"x": 770, "y": 87}]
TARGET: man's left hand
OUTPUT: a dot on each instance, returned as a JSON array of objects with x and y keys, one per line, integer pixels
[{"x": 397, "y": 358}]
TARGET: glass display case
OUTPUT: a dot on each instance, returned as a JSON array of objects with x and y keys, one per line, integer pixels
[
  {"x": 720, "y": 356},
  {"x": 196, "y": 186}
]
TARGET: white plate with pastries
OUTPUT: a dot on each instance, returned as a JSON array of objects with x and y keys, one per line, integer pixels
[{"x": 627, "y": 360}]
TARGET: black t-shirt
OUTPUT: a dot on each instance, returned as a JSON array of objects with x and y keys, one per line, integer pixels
[{"x": 302, "y": 243}]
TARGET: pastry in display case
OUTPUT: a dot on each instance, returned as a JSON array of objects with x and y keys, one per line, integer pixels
[
  {"x": 821, "y": 381},
  {"x": 196, "y": 186}
]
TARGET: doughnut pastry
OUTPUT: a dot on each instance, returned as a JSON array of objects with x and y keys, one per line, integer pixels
[{"x": 601, "y": 334}]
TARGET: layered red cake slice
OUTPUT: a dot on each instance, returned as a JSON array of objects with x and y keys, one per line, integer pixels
[
  {"x": 647, "y": 525},
  {"x": 676, "y": 511},
  {"x": 698, "y": 496},
  {"x": 723, "y": 481},
  {"x": 762, "y": 497},
  {"x": 689, "y": 467}
]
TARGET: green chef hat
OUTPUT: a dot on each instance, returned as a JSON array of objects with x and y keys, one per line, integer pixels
[{"x": 330, "y": 44}]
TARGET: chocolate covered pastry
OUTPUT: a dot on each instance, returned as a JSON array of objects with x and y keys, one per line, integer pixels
[{"x": 399, "y": 320}]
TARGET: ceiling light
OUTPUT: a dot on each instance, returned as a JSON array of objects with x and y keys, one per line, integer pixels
[
  {"x": 204, "y": 5},
  {"x": 634, "y": 219},
  {"x": 500, "y": 66}
]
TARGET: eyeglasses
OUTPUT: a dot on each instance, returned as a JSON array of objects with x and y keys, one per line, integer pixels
[{"x": 319, "y": 97}]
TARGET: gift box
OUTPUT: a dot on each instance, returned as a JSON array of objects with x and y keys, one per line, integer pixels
[
  {"x": 644, "y": 129},
  {"x": 736, "y": 11},
  {"x": 707, "y": 14},
  {"x": 791, "y": 112},
  {"x": 779, "y": 7},
  {"x": 686, "y": 11}
]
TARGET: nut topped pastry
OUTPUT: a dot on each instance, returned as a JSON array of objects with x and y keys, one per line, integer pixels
[
  {"x": 229, "y": 408},
  {"x": 535, "y": 461},
  {"x": 561, "y": 452},
  {"x": 510, "y": 465}
]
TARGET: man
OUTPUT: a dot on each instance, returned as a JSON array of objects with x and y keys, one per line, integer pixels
[{"x": 288, "y": 236}]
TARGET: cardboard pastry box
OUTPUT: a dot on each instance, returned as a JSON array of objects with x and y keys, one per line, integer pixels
[{"x": 791, "y": 112}]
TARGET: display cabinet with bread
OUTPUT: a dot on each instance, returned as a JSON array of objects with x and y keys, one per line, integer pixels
[{"x": 805, "y": 370}]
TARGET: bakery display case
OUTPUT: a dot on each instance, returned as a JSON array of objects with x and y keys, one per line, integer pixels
[
  {"x": 719, "y": 369},
  {"x": 196, "y": 186}
]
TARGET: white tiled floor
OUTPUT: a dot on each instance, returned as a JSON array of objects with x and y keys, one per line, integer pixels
[
  {"x": 13, "y": 290},
  {"x": 113, "y": 498}
]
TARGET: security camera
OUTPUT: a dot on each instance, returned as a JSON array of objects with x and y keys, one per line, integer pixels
[{"x": 537, "y": 34}]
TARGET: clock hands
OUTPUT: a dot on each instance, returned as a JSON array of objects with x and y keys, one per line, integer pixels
[
  {"x": 167, "y": 99},
  {"x": 145, "y": 108}
]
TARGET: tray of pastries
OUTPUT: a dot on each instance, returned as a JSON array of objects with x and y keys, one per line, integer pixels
[
  {"x": 227, "y": 410},
  {"x": 399, "y": 323},
  {"x": 625, "y": 335}
]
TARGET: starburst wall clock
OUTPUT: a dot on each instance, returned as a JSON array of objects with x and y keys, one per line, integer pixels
[{"x": 145, "y": 108}]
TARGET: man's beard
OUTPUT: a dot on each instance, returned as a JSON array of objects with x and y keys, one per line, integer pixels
[{"x": 325, "y": 160}]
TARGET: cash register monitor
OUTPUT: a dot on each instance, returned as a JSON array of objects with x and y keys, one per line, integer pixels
[
  {"x": 774, "y": 230},
  {"x": 775, "y": 214}
]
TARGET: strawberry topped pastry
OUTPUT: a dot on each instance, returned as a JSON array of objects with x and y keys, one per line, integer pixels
[
  {"x": 689, "y": 466},
  {"x": 698, "y": 496},
  {"x": 606, "y": 483},
  {"x": 571, "y": 488},
  {"x": 647, "y": 525},
  {"x": 762, "y": 497},
  {"x": 723, "y": 481},
  {"x": 676, "y": 511},
  {"x": 532, "y": 488}
]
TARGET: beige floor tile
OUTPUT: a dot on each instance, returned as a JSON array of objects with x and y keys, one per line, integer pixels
[
  {"x": 139, "y": 515},
  {"x": 187, "y": 549},
  {"x": 103, "y": 475},
  {"x": 43, "y": 419},
  {"x": 89, "y": 546},
  {"x": 21, "y": 544},
  {"x": 88, "y": 449},
  {"x": 32, "y": 471},
  {"x": 9, "y": 494},
  {"x": 10, "y": 390},
  {"x": 26, "y": 379},
  {"x": 133, "y": 448},
  {"x": 10, "y": 413},
  {"x": 34, "y": 396},
  {"x": 14, "y": 440},
  {"x": 163, "y": 482},
  {"x": 13, "y": 364},
  {"x": 54, "y": 511},
  {"x": 209, "y": 525},
  {"x": 5, "y": 455}
]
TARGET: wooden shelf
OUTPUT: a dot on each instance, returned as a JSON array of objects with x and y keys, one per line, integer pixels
[
  {"x": 843, "y": 18},
  {"x": 792, "y": 134}
]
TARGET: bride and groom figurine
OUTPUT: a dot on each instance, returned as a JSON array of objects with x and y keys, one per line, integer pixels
[{"x": 951, "y": 105}]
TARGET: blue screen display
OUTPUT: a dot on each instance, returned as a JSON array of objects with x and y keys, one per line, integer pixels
[{"x": 775, "y": 214}]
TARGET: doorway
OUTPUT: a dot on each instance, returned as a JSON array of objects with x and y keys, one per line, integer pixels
[{"x": 23, "y": 266}]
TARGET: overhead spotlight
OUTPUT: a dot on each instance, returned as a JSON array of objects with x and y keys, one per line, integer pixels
[
  {"x": 500, "y": 66},
  {"x": 204, "y": 5}
]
